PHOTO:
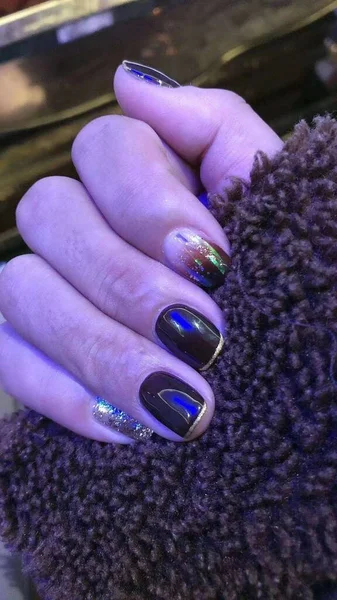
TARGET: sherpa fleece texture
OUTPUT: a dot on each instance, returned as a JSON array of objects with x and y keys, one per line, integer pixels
[{"x": 249, "y": 510}]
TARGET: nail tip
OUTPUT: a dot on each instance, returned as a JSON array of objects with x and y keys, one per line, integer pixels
[{"x": 149, "y": 74}]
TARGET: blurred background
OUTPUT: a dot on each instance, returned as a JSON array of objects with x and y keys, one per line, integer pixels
[{"x": 57, "y": 60}]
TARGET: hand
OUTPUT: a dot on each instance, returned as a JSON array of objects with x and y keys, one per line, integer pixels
[{"x": 112, "y": 305}]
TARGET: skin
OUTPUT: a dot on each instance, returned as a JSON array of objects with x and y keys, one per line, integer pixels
[{"x": 81, "y": 311}]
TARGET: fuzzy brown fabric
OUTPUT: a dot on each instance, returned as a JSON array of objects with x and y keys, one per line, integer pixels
[{"x": 249, "y": 511}]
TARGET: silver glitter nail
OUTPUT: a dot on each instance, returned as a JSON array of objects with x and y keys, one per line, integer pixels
[{"x": 118, "y": 420}]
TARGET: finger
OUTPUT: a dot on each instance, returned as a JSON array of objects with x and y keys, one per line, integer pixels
[
  {"x": 54, "y": 219},
  {"x": 122, "y": 165},
  {"x": 45, "y": 387},
  {"x": 185, "y": 173},
  {"x": 110, "y": 360},
  {"x": 213, "y": 128}
]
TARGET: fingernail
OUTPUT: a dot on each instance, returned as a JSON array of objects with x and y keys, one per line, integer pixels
[
  {"x": 148, "y": 74},
  {"x": 173, "y": 402},
  {"x": 118, "y": 420},
  {"x": 192, "y": 256},
  {"x": 189, "y": 335}
]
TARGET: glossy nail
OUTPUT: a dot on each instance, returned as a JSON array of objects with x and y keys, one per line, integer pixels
[
  {"x": 196, "y": 258},
  {"x": 118, "y": 420},
  {"x": 189, "y": 335},
  {"x": 149, "y": 74},
  {"x": 173, "y": 402}
]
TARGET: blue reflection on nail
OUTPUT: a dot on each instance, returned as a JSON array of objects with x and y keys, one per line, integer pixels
[
  {"x": 184, "y": 401},
  {"x": 183, "y": 323},
  {"x": 144, "y": 76}
]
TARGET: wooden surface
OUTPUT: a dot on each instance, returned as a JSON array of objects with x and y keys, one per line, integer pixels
[
  {"x": 188, "y": 39},
  {"x": 8, "y": 7}
]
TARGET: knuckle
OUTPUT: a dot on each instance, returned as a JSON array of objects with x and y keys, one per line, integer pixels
[
  {"x": 96, "y": 353},
  {"x": 120, "y": 288},
  {"x": 111, "y": 356},
  {"x": 91, "y": 362},
  {"x": 111, "y": 280},
  {"x": 99, "y": 133},
  {"x": 110, "y": 361},
  {"x": 133, "y": 360},
  {"x": 227, "y": 97},
  {"x": 44, "y": 196},
  {"x": 215, "y": 102}
]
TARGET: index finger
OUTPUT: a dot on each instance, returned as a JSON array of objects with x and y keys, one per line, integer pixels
[{"x": 212, "y": 128}]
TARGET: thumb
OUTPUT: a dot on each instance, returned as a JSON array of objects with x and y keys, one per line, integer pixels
[{"x": 213, "y": 129}]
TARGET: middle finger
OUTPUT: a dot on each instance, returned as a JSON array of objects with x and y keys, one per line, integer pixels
[
  {"x": 58, "y": 220},
  {"x": 123, "y": 165}
]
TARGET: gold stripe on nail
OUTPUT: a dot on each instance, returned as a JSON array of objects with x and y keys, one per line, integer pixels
[
  {"x": 215, "y": 355},
  {"x": 198, "y": 419}
]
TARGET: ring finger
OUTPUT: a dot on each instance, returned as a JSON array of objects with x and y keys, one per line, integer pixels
[
  {"x": 45, "y": 387},
  {"x": 112, "y": 361}
]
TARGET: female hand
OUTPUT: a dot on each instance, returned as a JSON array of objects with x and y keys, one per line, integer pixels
[{"x": 113, "y": 304}]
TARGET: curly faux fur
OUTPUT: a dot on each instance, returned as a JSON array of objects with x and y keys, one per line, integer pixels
[{"x": 249, "y": 511}]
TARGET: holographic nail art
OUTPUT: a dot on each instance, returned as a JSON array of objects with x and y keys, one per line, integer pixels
[
  {"x": 118, "y": 420},
  {"x": 173, "y": 402},
  {"x": 191, "y": 255},
  {"x": 149, "y": 75}
]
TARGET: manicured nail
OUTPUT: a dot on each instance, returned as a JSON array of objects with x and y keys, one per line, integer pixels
[
  {"x": 189, "y": 335},
  {"x": 192, "y": 256},
  {"x": 173, "y": 402},
  {"x": 148, "y": 74},
  {"x": 118, "y": 420}
]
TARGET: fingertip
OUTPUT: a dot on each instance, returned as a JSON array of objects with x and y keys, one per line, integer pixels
[
  {"x": 118, "y": 77},
  {"x": 213, "y": 129},
  {"x": 138, "y": 96}
]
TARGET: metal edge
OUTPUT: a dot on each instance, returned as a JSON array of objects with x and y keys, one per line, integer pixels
[{"x": 50, "y": 15}]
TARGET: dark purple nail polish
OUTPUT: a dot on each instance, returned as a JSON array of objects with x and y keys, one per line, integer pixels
[
  {"x": 149, "y": 74},
  {"x": 189, "y": 335},
  {"x": 173, "y": 402}
]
